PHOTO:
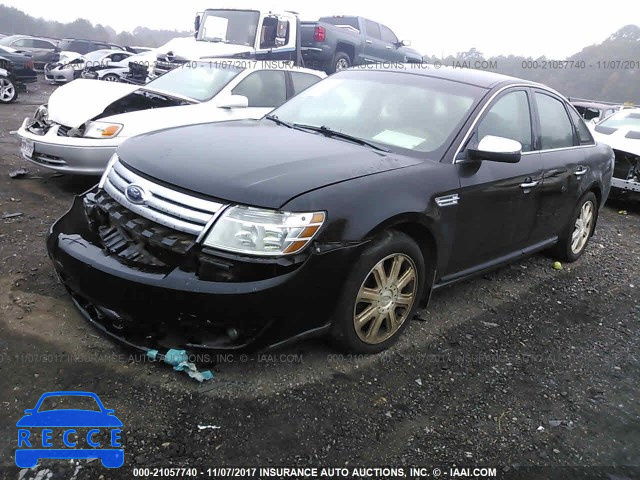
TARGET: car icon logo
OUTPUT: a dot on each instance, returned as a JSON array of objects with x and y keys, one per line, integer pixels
[
  {"x": 72, "y": 434},
  {"x": 135, "y": 194}
]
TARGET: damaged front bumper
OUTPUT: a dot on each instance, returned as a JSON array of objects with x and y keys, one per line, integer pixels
[
  {"x": 154, "y": 288},
  {"x": 74, "y": 155}
]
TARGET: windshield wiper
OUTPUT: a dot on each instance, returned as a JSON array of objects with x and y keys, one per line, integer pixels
[
  {"x": 274, "y": 118},
  {"x": 334, "y": 133}
]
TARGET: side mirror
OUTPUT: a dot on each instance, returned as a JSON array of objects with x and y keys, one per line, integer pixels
[
  {"x": 404, "y": 43},
  {"x": 233, "y": 101},
  {"x": 496, "y": 149},
  {"x": 196, "y": 25}
]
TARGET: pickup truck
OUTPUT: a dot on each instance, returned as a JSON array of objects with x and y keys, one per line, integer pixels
[
  {"x": 225, "y": 33},
  {"x": 335, "y": 43}
]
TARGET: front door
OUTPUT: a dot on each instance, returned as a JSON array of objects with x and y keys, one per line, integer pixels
[{"x": 499, "y": 202}]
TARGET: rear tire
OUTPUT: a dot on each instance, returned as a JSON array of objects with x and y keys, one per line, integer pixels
[
  {"x": 8, "y": 90},
  {"x": 341, "y": 61},
  {"x": 380, "y": 296},
  {"x": 110, "y": 77},
  {"x": 575, "y": 238}
]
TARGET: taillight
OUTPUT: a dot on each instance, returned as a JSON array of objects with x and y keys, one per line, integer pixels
[{"x": 319, "y": 34}]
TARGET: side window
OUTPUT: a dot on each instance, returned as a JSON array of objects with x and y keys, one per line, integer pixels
[
  {"x": 373, "y": 29},
  {"x": 387, "y": 35},
  {"x": 509, "y": 117},
  {"x": 302, "y": 81},
  {"x": 22, "y": 43},
  {"x": 264, "y": 89},
  {"x": 584, "y": 135},
  {"x": 555, "y": 127},
  {"x": 80, "y": 47},
  {"x": 43, "y": 44}
]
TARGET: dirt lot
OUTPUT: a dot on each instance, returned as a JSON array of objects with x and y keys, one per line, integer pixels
[{"x": 527, "y": 366}]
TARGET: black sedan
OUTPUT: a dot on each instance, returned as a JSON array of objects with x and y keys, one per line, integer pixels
[
  {"x": 338, "y": 213},
  {"x": 23, "y": 66}
]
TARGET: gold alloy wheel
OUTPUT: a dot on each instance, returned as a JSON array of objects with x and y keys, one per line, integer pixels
[
  {"x": 582, "y": 227},
  {"x": 385, "y": 298}
]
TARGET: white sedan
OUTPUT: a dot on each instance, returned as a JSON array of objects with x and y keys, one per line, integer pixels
[
  {"x": 85, "y": 120},
  {"x": 72, "y": 68}
]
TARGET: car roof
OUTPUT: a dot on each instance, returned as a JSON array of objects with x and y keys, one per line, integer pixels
[
  {"x": 601, "y": 106},
  {"x": 478, "y": 78},
  {"x": 16, "y": 36}
]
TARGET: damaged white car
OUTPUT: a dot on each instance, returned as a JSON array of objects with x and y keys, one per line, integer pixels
[
  {"x": 85, "y": 121},
  {"x": 70, "y": 68},
  {"x": 621, "y": 131}
]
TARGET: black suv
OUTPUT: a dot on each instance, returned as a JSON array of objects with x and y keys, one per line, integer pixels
[
  {"x": 337, "y": 213},
  {"x": 85, "y": 46}
]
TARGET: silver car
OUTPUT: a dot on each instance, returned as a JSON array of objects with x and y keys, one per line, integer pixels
[{"x": 43, "y": 50}]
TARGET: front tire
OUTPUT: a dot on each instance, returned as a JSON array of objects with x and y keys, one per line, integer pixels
[
  {"x": 8, "y": 90},
  {"x": 380, "y": 295},
  {"x": 574, "y": 240}
]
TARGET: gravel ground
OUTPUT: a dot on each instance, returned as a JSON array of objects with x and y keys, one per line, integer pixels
[{"x": 523, "y": 367}]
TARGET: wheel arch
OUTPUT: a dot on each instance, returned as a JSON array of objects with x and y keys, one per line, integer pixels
[
  {"x": 348, "y": 49},
  {"x": 421, "y": 231}
]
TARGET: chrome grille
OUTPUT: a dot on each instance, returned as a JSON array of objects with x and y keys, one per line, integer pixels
[{"x": 162, "y": 205}]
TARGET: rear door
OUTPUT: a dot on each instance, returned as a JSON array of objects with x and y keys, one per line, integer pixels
[
  {"x": 374, "y": 48},
  {"x": 42, "y": 51},
  {"x": 499, "y": 202},
  {"x": 563, "y": 155},
  {"x": 300, "y": 81}
]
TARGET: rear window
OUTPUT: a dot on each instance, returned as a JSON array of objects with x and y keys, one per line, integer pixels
[
  {"x": 302, "y": 81},
  {"x": 623, "y": 119},
  {"x": 342, "y": 21}
]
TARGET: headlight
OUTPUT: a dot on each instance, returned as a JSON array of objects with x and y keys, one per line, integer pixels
[
  {"x": 42, "y": 114},
  {"x": 102, "y": 130},
  {"x": 105, "y": 174},
  {"x": 255, "y": 231}
]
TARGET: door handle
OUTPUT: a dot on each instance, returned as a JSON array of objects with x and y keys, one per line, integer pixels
[
  {"x": 580, "y": 171},
  {"x": 368, "y": 42},
  {"x": 530, "y": 184},
  {"x": 388, "y": 47}
]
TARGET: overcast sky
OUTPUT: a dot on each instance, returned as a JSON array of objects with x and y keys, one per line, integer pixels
[{"x": 554, "y": 28}]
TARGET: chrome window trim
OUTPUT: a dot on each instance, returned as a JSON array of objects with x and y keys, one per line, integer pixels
[{"x": 465, "y": 139}]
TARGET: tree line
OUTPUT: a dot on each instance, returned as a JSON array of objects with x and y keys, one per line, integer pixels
[{"x": 14, "y": 21}]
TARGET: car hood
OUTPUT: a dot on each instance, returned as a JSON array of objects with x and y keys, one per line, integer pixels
[
  {"x": 81, "y": 100},
  {"x": 256, "y": 163},
  {"x": 188, "y": 48},
  {"x": 144, "y": 121},
  {"x": 69, "y": 418},
  {"x": 618, "y": 139}
]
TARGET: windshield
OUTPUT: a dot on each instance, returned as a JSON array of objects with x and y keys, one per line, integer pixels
[
  {"x": 408, "y": 112},
  {"x": 229, "y": 26},
  {"x": 623, "y": 119},
  {"x": 201, "y": 81}
]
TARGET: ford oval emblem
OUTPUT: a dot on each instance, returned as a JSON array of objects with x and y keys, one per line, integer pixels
[{"x": 135, "y": 194}]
